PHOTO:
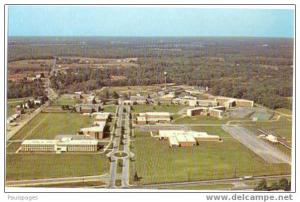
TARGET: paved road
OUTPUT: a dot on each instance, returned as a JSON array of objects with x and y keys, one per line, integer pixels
[
  {"x": 116, "y": 143},
  {"x": 269, "y": 153},
  {"x": 103, "y": 178},
  {"x": 126, "y": 149},
  {"x": 206, "y": 182}
]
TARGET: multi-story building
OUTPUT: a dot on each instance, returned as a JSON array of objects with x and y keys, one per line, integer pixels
[
  {"x": 153, "y": 117},
  {"x": 95, "y": 132},
  {"x": 61, "y": 145}
]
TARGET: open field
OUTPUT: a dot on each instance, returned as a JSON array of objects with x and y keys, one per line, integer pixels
[
  {"x": 11, "y": 104},
  {"x": 65, "y": 100},
  {"x": 198, "y": 119},
  {"x": 48, "y": 125},
  {"x": 284, "y": 111},
  {"x": 156, "y": 162},
  {"x": 36, "y": 166},
  {"x": 109, "y": 108},
  {"x": 158, "y": 108}
]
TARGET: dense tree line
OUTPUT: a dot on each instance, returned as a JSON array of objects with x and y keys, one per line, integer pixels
[
  {"x": 251, "y": 68},
  {"x": 282, "y": 184},
  {"x": 265, "y": 86},
  {"x": 25, "y": 89}
]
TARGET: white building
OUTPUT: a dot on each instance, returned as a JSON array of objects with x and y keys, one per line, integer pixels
[
  {"x": 154, "y": 117},
  {"x": 184, "y": 138},
  {"x": 62, "y": 145}
]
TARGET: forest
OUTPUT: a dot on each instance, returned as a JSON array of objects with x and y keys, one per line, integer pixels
[
  {"x": 25, "y": 89},
  {"x": 260, "y": 69}
]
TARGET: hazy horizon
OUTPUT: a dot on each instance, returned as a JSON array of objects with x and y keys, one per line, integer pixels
[{"x": 118, "y": 21}]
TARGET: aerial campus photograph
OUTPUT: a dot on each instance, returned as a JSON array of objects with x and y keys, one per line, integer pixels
[{"x": 149, "y": 98}]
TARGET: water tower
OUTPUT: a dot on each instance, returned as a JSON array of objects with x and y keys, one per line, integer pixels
[{"x": 165, "y": 74}]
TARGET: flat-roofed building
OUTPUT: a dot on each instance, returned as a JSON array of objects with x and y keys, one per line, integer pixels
[
  {"x": 203, "y": 103},
  {"x": 65, "y": 144},
  {"x": 184, "y": 138},
  {"x": 134, "y": 100},
  {"x": 101, "y": 116},
  {"x": 244, "y": 103},
  {"x": 217, "y": 112},
  {"x": 197, "y": 111},
  {"x": 96, "y": 132},
  {"x": 229, "y": 102},
  {"x": 173, "y": 142},
  {"x": 168, "y": 96},
  {"x": 154, "y": 117},
  {"x": 138, "y": 99},
  {"x": 141, "y": 120},
  {"x": 84, "y": 145},
  {"x": 204, "y": 137},
  {"x": 38, "y": 145},
  {"x": 185, "y": 100}
]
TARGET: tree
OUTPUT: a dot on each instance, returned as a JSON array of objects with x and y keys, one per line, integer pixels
[
  {"x": 107, "y": 95},
  {"x": 136, "y": 177},
  {"x": 274, "y": 186},
  {"x": 284, "y": 184},
  {"x": 262, "y": 186},
  {"x": 115, "y": 95}
]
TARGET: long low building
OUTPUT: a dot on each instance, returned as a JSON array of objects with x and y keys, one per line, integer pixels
[
  {"x": 153, "y": 117},
  {"x": 184, "y": 138},
  {"x": 197, "y": 111},
  {"x": 62, "y": 145},
  {"x": 203, "y": 103}
]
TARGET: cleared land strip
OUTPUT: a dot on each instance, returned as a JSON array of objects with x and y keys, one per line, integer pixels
[
  {"x": 269, "y": 153},
  {"x": 103, "y": 178}
]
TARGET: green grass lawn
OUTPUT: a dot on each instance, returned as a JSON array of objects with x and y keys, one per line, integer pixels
[
  {"x": 65, "y": 100},
  {"x": 110, "y": 108},
  {"x": 285, "y": 111},
  {"x": 12, "y": 147},
  {"x": 283, "y": 127},
  {"x": 198, "y": 119},
  {"x": 48, "y": 125},
  {"x": 36, "y": 166},
  {"x": 11, "y": 104},
  {"x": 156, "y": 162},
  {"x": 158, "y": 108}
]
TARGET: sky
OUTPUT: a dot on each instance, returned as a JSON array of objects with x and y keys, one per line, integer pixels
[{"x": 148, "y": 21}]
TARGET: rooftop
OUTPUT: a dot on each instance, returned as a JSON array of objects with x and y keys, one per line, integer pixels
[
  {"x": 154, "y": 114},
  {"x": 99, "y": 128}
]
